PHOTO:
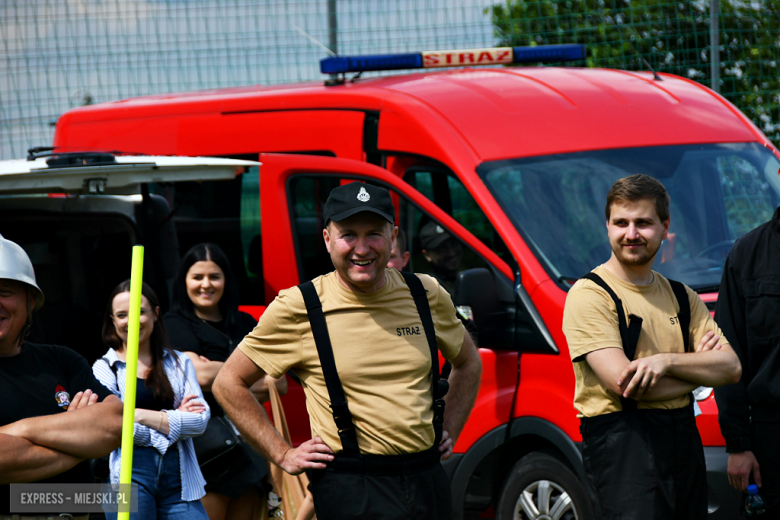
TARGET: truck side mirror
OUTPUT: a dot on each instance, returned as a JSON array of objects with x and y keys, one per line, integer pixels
[{"x": 476, "y": 289}]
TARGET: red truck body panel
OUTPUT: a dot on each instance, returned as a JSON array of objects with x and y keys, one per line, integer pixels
[{"x": 459, "y": 118}]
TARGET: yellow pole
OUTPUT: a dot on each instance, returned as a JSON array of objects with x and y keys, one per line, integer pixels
[{"x": 133, "y": 326}]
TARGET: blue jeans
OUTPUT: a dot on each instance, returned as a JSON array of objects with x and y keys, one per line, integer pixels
[{"x": 159, "y": 488}]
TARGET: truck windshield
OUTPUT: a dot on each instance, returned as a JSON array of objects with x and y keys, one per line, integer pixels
[{"x": 718, "y": 192}]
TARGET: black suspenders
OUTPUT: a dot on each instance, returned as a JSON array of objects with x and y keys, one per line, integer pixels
[
  {"x": 338, "y": 401},
  {"x": 685, "y": 312},
  {"x": 339, "y": 406},
  {"x": 439, "y": 387},
  {"x": 629, "y": 331}
]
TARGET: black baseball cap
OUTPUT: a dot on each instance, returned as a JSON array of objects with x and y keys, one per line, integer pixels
[
  {"x": 432, "y": 235},
  {"x": 352, "y": 198}
]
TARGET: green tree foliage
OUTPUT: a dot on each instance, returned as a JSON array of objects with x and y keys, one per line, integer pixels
[{"x": 672, "y": 37}]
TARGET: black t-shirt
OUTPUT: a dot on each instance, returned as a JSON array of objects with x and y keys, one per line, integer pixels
[
  {"x": 145, "y": 398},
  {"x": 213, "y": 340},
  {"x": 41, "y": 380}
]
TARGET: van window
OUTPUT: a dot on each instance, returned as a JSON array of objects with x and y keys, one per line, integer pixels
[
  {"x": 251, "y": 225},
  {"x": 78, "y": 259},
  {"x": 226, "y": 213},
  {"x": 444, "y": 189},
  {"x": 307, "y": 198},
  {"x": 433, "y": 249}
]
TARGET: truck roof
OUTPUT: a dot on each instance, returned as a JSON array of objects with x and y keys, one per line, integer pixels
[{"x": 476, "y": 115}]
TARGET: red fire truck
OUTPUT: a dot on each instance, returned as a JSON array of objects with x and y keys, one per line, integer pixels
[{"x": 514, "y": 162}]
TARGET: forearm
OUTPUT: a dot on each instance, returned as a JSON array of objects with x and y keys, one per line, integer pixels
[
  {"x": 711, "y": 368},
  {"x": 260, "y": 388},
  {"x": 243, "y": 409},
  {"x": 207, "y": 373},
  {"x": 464, "y": 385},
  {"x": 88, "y": 433},
  {"x": 206, "y": 370},
  {"x": 669, "y": 387},
  {"x": 23, "y": 461},
  {"x": 157, "y": 420}
]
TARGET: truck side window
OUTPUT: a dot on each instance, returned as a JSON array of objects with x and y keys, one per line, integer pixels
[
  {"x": 444, "y": 189},
  {"x": 308, "y": 194},
  {"x": 433, "y": 249},
  {"x": 249, "y": 221}
]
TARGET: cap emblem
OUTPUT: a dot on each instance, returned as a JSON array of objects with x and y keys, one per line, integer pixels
[
  {"x": 439, "y": 229},
  {"x": 363, "y": 195}
]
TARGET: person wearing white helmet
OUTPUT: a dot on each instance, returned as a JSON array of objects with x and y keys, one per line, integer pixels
[{"x": 55, "y": 415}]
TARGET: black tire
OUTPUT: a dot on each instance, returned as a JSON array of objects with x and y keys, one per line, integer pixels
[{"x": 562, "y": 493}]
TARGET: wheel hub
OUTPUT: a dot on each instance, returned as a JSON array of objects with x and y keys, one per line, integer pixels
[{"x": 545, "y": 500}]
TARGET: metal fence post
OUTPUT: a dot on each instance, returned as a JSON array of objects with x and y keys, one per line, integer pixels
[
  {"x": 333, "y": 27},
  {"x": 714, "y": 47}
]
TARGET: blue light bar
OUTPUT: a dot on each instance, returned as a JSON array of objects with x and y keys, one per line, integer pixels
[
  {"x": 549, "y": 53},
  {"x": 453, "y": 58},
  {"x": 339, "y": 64}
]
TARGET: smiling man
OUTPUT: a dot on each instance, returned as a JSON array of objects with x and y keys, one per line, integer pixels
[
  {"x": 358, "y": 340},
  {"x": 640, "y": 345},
  {"x": 55, "y": 414}
]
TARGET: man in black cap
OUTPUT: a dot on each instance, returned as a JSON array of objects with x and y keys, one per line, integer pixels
[
  {"x": 443, "y": 252},
  {"x": 362, "y": 340}
]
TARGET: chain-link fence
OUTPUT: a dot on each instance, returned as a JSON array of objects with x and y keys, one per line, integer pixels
[
  {"x": 672, "y": 37},
  {"x": 58, "y": 54}
]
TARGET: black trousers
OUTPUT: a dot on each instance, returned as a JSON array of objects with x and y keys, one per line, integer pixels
[
  {"x": 765, "y": 440},
  {"x": 645, "y": 464},
  {"x": 376, "y": 487}
]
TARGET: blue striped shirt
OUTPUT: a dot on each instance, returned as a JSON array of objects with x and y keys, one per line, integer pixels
[{"x": 183, "y": 425}]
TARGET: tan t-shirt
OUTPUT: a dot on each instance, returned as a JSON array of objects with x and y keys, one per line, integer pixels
[
  {"x": 590, "y": 323},
  {"x": 381, "y": 354}
]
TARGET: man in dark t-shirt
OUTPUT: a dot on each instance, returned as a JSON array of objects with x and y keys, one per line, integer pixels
[{"x": 55, "y": 414}]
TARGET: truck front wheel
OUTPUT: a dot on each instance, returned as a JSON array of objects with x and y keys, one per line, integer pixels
[{"x": 540, "y": 487}]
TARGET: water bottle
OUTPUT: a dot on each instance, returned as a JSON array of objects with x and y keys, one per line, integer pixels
[{"x": 754, "y": 504}]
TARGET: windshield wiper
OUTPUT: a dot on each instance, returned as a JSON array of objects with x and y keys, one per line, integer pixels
[{"x": 706, "y": 289}]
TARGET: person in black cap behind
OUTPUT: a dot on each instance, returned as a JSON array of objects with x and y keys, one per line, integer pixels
[
  {"x": 362, "y": 340},
  {"x": 443, "y": 252}
]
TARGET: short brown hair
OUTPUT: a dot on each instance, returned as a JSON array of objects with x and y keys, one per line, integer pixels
[
  {"x": 400, "y": 240},
  {"x": 639, "y": 187}
]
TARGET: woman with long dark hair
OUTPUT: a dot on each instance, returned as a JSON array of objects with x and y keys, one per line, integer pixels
[
  {"x": 170, "y": 409},
  {"x": 204, "y": 322}
]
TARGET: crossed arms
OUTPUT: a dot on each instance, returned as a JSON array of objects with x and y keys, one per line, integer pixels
[
  {"x": 40, "y": 447},
  {"x": 666, "y": 376}
]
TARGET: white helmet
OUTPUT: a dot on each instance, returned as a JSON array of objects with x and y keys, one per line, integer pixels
[{"x": 16, "y": 265}]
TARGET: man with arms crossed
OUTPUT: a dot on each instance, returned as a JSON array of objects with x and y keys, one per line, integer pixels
[
  {"x": 50, "y": 419},
  {"x": 640, "y": 446},
  {"x": 382, "y": 461},
  {"x": 749, "y": 412}
]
